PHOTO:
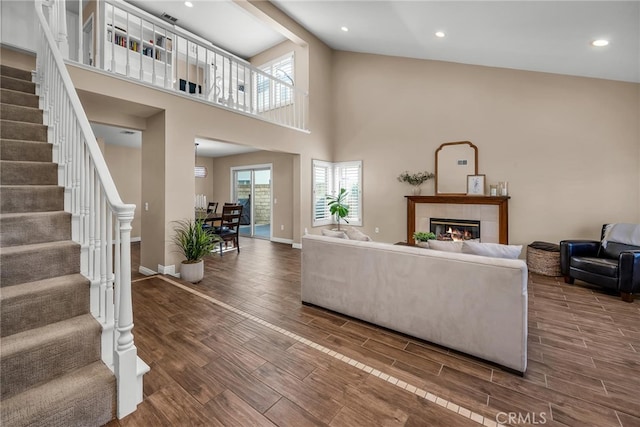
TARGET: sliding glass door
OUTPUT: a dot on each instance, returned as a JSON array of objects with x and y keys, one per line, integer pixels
[{"x": 251, "y": 188}]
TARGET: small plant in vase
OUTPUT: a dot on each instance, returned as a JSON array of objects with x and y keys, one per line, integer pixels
[
  {"x": 194, "y": 242},
  {"x": 415, "y": 179},
  {"x": 422, "y": 237}
]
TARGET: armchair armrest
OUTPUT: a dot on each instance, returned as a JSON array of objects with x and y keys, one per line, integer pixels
[
  {"x": 629, "y": 271},
  {"x": 569, "y": 248}
]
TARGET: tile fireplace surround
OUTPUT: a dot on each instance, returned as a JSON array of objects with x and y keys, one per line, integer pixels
[{"x": 492, "y": 212}]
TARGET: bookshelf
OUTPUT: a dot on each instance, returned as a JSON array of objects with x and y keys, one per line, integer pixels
[{"x": 137, "y": 47}]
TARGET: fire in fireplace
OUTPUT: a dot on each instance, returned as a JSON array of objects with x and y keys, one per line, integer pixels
[{"x": 455, "y": 229}]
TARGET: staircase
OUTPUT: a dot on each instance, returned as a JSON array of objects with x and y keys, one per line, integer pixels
[{"x": 51, "y": 372}]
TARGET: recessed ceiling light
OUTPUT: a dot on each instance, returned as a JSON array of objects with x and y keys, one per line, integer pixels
[
  {"x": 345, "y": 29},
  {"x": 440, "y": 34},
  {"x": 188, "y": 4},
  {"x": 600, "y": 43}
]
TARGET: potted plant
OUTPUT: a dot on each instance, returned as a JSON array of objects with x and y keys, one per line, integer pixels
[
  {"x": 415, "y": 179},
  {"x": 422, "y": 237},
  {"x": 338, "y": 207},
  {"x": 193, "y": 242}
]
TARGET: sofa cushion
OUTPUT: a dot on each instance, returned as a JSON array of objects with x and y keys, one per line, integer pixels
[
  {"x": 602, "y": 266},
  {"x": 355, "y": 234},
  {"x": 613, "y": 249},
  {"x": 335, "y": 233},
  {"x": 445, "y": 246},
  {"x": 494, "y": 250}
]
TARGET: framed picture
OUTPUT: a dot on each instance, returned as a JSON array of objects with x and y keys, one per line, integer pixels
[{"x": 475, "y": 185}]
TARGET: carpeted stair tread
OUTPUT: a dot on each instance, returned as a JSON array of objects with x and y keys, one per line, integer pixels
[
  {"x": 14, "y": 97},
  {"x": 84, "y": 397},
  {"x": 35, "y": 304},
  {"x": 27, "y": 228},
  {"x": 15, "y": 172},
  {"x": 10, "y": 129},
  {"x": 17, "y": 84},
  {"x": 16, "y": 73},
  {"x": 39, "y": 355},
  {"x": 28, "y": 151},
  {"x": 31, "y": 198},
  {"x": 20, "y": 113},
  {"x": 28, "y": 263}
]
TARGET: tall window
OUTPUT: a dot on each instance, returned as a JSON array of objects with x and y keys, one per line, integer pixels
[
  {"x": 275, "y": 92},
  {"x": 328, "y": 178}
]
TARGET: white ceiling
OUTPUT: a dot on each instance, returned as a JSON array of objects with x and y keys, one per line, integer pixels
[
  {"x": 547, "y": 36},
  {"x": 221, "y": 22},
  {"x": 133, "y": 138}
]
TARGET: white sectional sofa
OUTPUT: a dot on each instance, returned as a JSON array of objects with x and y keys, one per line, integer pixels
[{"x": 470, "y": 303}]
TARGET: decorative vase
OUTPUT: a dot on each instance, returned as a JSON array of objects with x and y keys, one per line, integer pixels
[
  {"x": 192, "y": 272},
  {"x": 416, "y": 190}
]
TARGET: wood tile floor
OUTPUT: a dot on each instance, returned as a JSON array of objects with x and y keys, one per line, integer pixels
[{"x": 216, "y": 358}]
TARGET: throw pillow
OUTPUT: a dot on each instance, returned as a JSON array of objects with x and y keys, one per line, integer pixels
[
  {"x": 355, "y": 234},
  {"x": 334, "y": 233},
  {"x": 445, "y": 245},
  {"x": 494, "y": 250}
]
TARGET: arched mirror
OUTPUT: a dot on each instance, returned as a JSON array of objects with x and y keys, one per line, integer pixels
[{"x": 454, "y": 161}]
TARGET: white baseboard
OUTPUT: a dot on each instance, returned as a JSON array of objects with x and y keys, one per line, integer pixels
[
  {"x": 146, "y": 271},
  {"x": 136, "y": 239},
  {"x": 168, "y": 269},
  {"x": 280, "y": 240},
  {"x": 296, "y": 245}
]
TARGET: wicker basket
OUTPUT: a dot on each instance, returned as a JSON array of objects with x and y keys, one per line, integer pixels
[{"x": 544, "y": 258}]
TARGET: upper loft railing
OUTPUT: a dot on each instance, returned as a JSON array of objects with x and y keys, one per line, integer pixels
[
  {"x": 139, "y": 46},
  {"x": 101, "y": 222}
]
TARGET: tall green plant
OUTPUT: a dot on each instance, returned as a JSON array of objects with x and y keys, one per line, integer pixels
[
  {"x": 194, "y": 241},
  {"x": 338, "y": 206}
]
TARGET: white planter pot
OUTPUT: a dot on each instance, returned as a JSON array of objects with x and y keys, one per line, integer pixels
[
  {"x": 422, "y": 244},
  {"x": 192, "y": 272}
]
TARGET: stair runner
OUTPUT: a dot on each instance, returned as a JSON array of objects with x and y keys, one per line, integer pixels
[{"x": 51, "y": 373}]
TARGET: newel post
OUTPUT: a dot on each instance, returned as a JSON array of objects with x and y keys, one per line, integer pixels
[{"x": 125, "y": 360}]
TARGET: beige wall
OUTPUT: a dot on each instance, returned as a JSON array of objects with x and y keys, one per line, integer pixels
[
  {"x": 568, "y": 146},
  {"x": 124, "y": 164},
  {"x": 282, "y": 179},
  {"x": 17, "y": 59},
  {"x": 155, "y": 240}
]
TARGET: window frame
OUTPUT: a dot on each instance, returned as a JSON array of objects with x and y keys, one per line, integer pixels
[
  {"x": 265, "y": 88},
  {"x": 335, "y": 179}
]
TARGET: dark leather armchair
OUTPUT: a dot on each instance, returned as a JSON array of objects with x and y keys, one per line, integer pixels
[{"x": 616, "y": 267}]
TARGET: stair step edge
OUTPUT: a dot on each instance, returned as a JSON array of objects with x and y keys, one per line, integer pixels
[
  {"x": 16, "y": 343},
  {"x": 25, "y": 288},
  {"x": 11, "y": 250}
]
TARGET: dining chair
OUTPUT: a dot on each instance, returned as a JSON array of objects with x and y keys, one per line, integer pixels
[
  {"x": 229, "y": 229},
  {"x": 212, "y": 207}
]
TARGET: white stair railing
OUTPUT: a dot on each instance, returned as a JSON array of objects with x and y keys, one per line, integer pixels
[{"x": 98, "y": 214}]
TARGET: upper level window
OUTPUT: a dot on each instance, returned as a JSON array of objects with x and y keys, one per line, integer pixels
[
  {"x": 272, "y": 93},
  {"x": 328, "y": 178}
]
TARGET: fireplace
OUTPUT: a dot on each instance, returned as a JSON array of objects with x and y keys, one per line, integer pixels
[{"x": 455, "y": 229}]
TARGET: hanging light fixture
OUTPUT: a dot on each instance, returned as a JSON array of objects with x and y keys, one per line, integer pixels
[{"x": 200, "y": 171}]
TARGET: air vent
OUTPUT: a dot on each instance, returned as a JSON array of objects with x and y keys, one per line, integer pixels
[{"x": 168, "y": 17}]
